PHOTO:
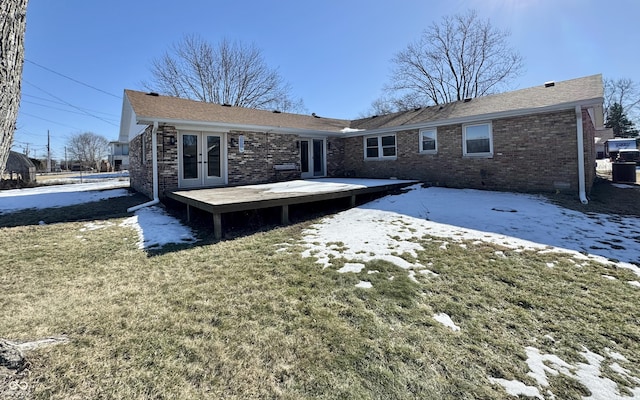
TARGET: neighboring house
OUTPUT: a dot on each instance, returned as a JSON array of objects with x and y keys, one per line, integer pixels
[
  {"x": 119, "y": 155},
  {"x": 539, "y": 139},
  {"x": 602, "y": 136},
  {"x": 20, "y": 167}
]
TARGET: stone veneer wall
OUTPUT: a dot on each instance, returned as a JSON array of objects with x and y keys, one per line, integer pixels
[{"x": 530, "y": 154}]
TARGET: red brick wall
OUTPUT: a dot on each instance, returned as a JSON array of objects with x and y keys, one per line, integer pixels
[
  {"x": 262, "y": 152},
  {"x": 255, "y": 165},
  {"x": 140, "y": 167},
  {"x": 535, "y": 153}
]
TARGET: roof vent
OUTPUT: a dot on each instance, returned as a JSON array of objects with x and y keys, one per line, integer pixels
[
  {"x": 314, "y": 115},
  {"x": 467, "y": 99},
  {"x": 417, "y": 109},
  {"x": 549, "y": 84},
  {"x": 276, "y": 111},
  {"x": 154, "y": 94},
  {"x": 226, "y": 105}
]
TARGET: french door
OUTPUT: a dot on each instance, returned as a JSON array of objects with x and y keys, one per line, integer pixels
[
  {"x": 313, "y": 162},
  {"x": 202, "y": 158}
]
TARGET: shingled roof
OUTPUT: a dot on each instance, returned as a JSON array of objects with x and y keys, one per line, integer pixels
[
  {"x": 553, "y": 95},
  {"x": 151, "y": 107}
]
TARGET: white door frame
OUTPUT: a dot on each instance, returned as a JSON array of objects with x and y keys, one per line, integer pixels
[
  {"x": 314, "y": 147},
  {"x": 197, "y": 173}
]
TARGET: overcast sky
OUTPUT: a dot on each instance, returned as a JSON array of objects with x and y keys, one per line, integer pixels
[{"x": 334, "y": 54}]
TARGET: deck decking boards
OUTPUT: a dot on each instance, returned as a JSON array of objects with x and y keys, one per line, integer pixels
[{"x": 222, "y": 200}]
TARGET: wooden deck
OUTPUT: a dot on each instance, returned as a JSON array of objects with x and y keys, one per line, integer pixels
[{"x": 218, "y": 201}]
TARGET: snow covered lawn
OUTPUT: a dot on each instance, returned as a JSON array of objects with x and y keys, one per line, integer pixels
[
  {"x": 417, "y": 239},
  {"x": 388, "y": 228},
  {"x": 393, "y": 229}
]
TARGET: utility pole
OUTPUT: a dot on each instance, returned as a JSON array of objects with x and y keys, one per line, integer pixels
[
  {"x": 66, "y": 163},
  {"x": 48, "y": 152}
]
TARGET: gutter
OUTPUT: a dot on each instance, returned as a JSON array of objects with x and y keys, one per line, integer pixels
[
  {"x": 581, "y": 171},
  {"x": 154, "y": 156}
]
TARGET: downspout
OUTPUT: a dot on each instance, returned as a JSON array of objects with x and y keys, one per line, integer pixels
[
  {"x": 154, "y": 162},
  {"x": 581, "y": 171}
]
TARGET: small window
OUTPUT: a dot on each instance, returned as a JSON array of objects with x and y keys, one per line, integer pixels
[
  {"x": 380, "y": 147},
  {"x": 428, "y": 141},
  {"x": 477, "y": 140}
]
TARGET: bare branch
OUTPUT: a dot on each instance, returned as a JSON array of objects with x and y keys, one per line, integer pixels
[
  {"x": 624, "y": 92},
  {"x": 88, "y": 148},
  {"x": 229, "y": 73},
  {"x": 462, "y": 56}
]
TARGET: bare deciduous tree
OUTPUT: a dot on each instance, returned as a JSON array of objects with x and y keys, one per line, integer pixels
[
  {"x": 230, "y": 73},
  {"x": 462, "y": 57},
  {"x": 88, "y": 148},
  {"x": 624, "y": 92},
  {"x": 13, "y": 22}
]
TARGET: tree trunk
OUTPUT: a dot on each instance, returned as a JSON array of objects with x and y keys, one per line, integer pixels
[{"x": 13, "y": 20}]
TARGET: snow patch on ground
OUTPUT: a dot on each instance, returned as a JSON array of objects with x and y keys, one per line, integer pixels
[
  {"x": 58, "y": 196},
  {"x": 446, "y": 320},
  {"x": 351, "y": 267},
  {"x": 517, "y": 388},
  {"x": 156, "y": 228},
  {"x": 391, "y": 228},
  {"x": 588, "y": 373},
  {"x": 323, "y": 185}
]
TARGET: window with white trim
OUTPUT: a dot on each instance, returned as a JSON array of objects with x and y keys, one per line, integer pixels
[
  {"x": 477, "y": 140},
  {"x": 429, "y": 141},
  {"x": 380, "y": 147}
]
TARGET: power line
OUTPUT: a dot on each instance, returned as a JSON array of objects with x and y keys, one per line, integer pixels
[
  {"x": 61, "y": 109},
  {"x": 71, "y": 105},
  {"x": 72, "y": 79},
  {"x": 48, "y": 120},
  {"x": 59, "y": 102}
]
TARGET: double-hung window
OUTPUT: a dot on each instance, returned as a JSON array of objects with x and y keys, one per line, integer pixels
[
  {"x": 429, "y": 141},
  {"x": 477, "y": 140},
  {"x": 380, "y": 147}
]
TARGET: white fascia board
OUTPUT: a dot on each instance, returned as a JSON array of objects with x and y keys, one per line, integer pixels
[
  {"x": 129, "y": 126},
  {"x": 479, "y": 117},
  {"x": 226, "y": 127}
]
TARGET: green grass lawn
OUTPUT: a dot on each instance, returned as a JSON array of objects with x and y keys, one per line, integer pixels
[{"x": 251, "y": 318}]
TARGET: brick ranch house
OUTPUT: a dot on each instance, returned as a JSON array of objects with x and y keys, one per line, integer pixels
[{"x": 539, "y": 139}]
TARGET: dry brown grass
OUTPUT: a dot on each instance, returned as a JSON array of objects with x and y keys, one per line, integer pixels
[{"x": 241, "y": 319}]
